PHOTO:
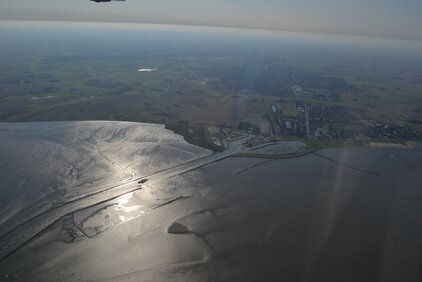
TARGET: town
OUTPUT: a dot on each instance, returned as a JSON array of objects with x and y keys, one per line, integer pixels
[{"x": 312, "y": 122}]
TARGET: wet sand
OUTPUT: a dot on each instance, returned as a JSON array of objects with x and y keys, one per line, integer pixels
[
  {"x": 45, "y": 164},
  {"x": 312, "y": 218}
]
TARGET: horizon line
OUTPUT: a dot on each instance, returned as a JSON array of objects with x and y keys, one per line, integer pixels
[{"x": 216, "y": 26}]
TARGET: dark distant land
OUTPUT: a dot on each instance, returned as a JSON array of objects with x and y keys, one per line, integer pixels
[{"x": 216, "y": 85}]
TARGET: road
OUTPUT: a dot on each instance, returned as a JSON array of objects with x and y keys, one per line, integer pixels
[{"x": 25, "y": 232}]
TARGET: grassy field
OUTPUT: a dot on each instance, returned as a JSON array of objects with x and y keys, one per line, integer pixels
[{"x": 194, "y": 134}]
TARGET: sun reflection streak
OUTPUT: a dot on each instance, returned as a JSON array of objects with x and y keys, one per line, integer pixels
[
  {"x": 126, "y": 208},
  {"x": 124, "y": 205}
]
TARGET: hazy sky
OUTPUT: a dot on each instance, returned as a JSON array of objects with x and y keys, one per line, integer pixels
[{"x": 392, "y": 18}]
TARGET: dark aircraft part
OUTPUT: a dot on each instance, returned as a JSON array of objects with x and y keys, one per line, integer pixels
[{"x": 98, "y": 1}]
